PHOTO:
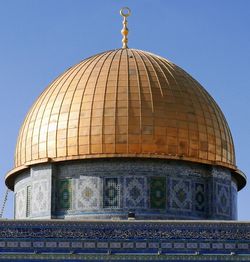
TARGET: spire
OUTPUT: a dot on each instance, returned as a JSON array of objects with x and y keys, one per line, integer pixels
[{"x": 125, "y": 12}]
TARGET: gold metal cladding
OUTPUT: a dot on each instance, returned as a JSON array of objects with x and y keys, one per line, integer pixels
[
  {"x": 125, "y": 12},
  {"x": 124, "y": 103}
]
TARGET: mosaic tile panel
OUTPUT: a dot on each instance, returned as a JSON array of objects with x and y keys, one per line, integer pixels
[
  {"x": 191, "y": 191},
  {"x": 158, "y": 192},
  {"x": 133, "y": 236},
  {"x": 102, "y": 245},
  {"x": 135, "y": 192},
  {"x": 180, "y": 194},
  {"x": 223, "y": 199},
  {"x": 234, "y": 200},
  {"x": 40, "y": 199},
  {"x": 28, "y": 202},
  {"x": 200, "y": 197},
  {"x": 86, "y": 193},
  {"x": 21, "y": 197},
  {"x": 111, "y": 192},
  {"x": 64, "y": 192}
]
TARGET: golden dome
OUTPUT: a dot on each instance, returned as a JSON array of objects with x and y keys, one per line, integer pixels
[{"x": 124, "y": 103}]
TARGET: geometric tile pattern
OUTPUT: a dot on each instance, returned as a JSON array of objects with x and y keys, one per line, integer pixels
[
  {"x": 21, "y": 204},
  {"x": 89, "y": 231},
  {"x": 181, "y": 194},
  {"x": 135, "y": 194},
  {"x": 152, "y": 189},
  {"x": 200, "y": 197},
  {"x": 87, "y": 193},
  {"x": 64, "y": 194},
  {"x": 129, "y": 256},
  {"x": 130, "y": 241},
  {"x": 40, "y": 200},
  {"x": 234, "y": 200},
  {"x": 223, "y": 199},
  {"x": 111, "y": 191},
  {"x": 28, "y": 201},
  {"x": 158, "y": 192}
]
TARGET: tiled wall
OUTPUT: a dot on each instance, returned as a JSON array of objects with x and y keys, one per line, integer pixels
[
  {"x": 151, "y": 189},
  {"x": 167, "y": 240}
]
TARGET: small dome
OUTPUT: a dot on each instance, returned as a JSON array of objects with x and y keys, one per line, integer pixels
[{"x": 124, "y": 103}]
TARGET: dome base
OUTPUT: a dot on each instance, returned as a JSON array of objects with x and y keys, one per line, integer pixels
[{"x": 124, "y": 188}]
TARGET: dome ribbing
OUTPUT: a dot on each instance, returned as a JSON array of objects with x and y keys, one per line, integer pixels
[{"x": 124, "y": 103}]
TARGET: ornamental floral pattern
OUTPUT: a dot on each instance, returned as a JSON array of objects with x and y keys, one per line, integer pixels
[
  {"x": 87, "y": 193},
  {"x": 21, "y": 204},
  {"x": 40, "y": 197},
  {"x": 135, "y": 192},
  {"x": 111, "y": 193},
  {"x": 180, "y": 194},
  {"x": 223, "y": 199}
]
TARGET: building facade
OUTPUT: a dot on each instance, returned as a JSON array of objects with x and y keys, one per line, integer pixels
[{"x": 125, "y": 157}]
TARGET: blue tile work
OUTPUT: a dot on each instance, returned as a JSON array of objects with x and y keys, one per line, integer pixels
[
  {"x": 234, "y": 193},
  {"x": 158, "y": 194},
  {"x": 111, "y": 192},
  {"x": 135, "y": 192},
  {"x": 180, "y": 194},
  {"x": 200, "y": 202},
  {"x": 223, "y": 199},
  {"x": 108, "y": 240},
  {"x": 110, "y": 188}
]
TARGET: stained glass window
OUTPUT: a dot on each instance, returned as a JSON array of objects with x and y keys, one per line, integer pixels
[{"x": 111, "y": 193}]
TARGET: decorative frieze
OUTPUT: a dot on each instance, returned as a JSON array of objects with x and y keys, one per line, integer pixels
[{"x": 126, "y": 237}]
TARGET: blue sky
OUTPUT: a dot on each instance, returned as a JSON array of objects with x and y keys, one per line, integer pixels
[{"x": 210, "y": 39}]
